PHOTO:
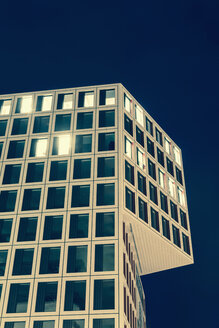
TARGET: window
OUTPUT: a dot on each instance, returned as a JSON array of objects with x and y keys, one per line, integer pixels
[
  {"x": 105, "y": 224},
  {"x": 170, "y": 166},
  {"x": 63, "y": 122},
  {"x": 82, "y": 168},
  {"x": 128, "y": 147},
  {"x": 161, "y": 176},
  {"x": 50, "y": 257},
  {"x": 44, "y": 103},
  {"x": 140, "y": 158},
  {"x": 129, "y": 173},
  {"x": 65, "y": 101},
  {"x": 181, "y": 197},
  {"x": 105, "y": 194},
  {"x": 163, "y": 202},
  {"x": 31, "y": 199},
  {"x": 183, "y": 218},
  {"x": 150, "y": 146},
  {"x": 140, "y": 136},
  {"x": 35, "y": 172},
  {"x": 167, "y": 145},
  {"x": 75, "y": 293},
  {"x": 152, "y": 169},
  {"x": 3, "y": 126},
  {"x": 127, "y": 103},
  {"x": 107, "y": 97},
  {"x": 106, "y": 167},
  {"x": 18, "y": 298},
  {"x": 77, "y": 259},
  {"x": 12, "y": 174},
  {"x": 106, "y": 141},
  {"x": 149, "y": 126},
  {"x": 86, "y": 99},
  {"x": 53, "y": 227},
  {"x": 1, "y": 146},
  {"x": 179, "y": 176},
  {"x": 79, "y": 226},
  {"x": 55, "y": 197},
  {"x": 44, "y": 324},
  {"x": 7, "y": 200},
  {"x": 141, "y": 183},
  {"x": 171, "y": 187},
  {"x": 139, "y": 116},
  {"x": 84, "y": 121},
  {"x": 3, "y": 260},
  {"x": 27, "y": 229},
  {"x": 159, "y": 137},
  {"x": 41, "y": 124},
  {"x": 143, "y": 212},
  {"x": 38, "y": 147},
  {"x": 5, "y": 106},
  {"x": 24, "y": 105},
  {"x": 128, "y": 125},
  {"x": 160, "y": 157},
  {"x": 176, "y": 154},
  {"x": 186, "y": 245},
  {"x": 173, "y": 210},
  {"x": 76, "y": 323},
  {"x": 16, "y": 149},
  {"x": 83, "y": 143},
  {"x": 80, "y": 196},
  {"x": 58, "y": 170},
  {"x": 130, "y": 200},
  {"x": 153, "y": 193},
  {"x": 23, "y": 260},
  {"x": 46, "y": 297},
  {"x": 104, "y": 257},
  {"x": 61, "y": 145},
  {"x": 101, "y": 289},
  {"x": 103, "y": 323},
  {"x": 14, "y": 324},
  {"x": 155, "y": 219},
  {"x": 19, "y": 126},
  {"x": 176, "y": 236},
  {"x": 166, "y": 228},
  {"x": 106, "y": 118}
]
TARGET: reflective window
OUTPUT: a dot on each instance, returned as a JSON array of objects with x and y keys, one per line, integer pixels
[
  {"x": 83, "y": 143},
  {"x": 86, "y": 99},
  {"x": 31, "y": 199},
  {"x": 128, "y": 147},
  {"x": 16, "y": 149},
  {"x": 84, "y": 121},
  {"x": 101, "y": 289},
  {"x": 7, "y": 200},
  {"x": 170, "y": 166},
  {"x": 65, "y": 101},
  {"x": 12, "y": 174},
  {"x": 63, "y": 122},
  {"x": 3, "y": 260},
  {"x": 3, "y": 126},
  {"x": 173, "y": 210},
  {"x": 19, "y": 126},
  {"x": 18, "y": 298},
  {"x": 130, "y": 200},
  {"x": 80, "y": 196},
  {"x": 186, "y": 245},
  {"x": 55, "y": 197},
  {"x": 181, "y": 196},
  {"x": 128, "y": 125},
  {"x": 171, "y": 187},
  {"x": 159, "y": 137},
  {"x": 183, "y": 218},
  {"x": 41, "y": 124},
  {"x": 105, "y": 194},
  {"x": 129, "y": 173},
  {"x": 35, "y": 172},
  {"x": 79, "y": 226},
  {"x": 106, "y": 141},
  {"x": 150, "y": 146},
  {"x": 50, "y": 257},
  {"x": 140, "y": 136},
  {"x": 177, "y": 156},
  {"x": 107, "y": 97},
  {"x": 176, "y": 236},
  {"x": 166, "y": 228},
  {"x": 77, "y": 259},
  {"x": 82, "y": 168},
  {"x": 75, "y": 323},
  {"x": 61, "y": 145},
  {"x": 143, "y": 212},
  {"x": 163, "y": 202},
  {"x": 103, "y": 323},
  {"x": 149, "y": 126},
  {"x": 5, "y": 106},
  {"x": 104, "y": 257},
  {"x": 44, "y": 324},
  {"x": 46, "y": 297},
  {"x": 23, "y": 260},
  {"x": 167, "y": 145},
  {"x": 179, "y": 176},
  {"x": 161, "y": 178},
  {"x": 139, "y": 116},
  {"x": 105, "y": 224},
  {"x": 27, "y": 229},
  {"x": 53, "y": 227},
  {"x": 106, "y": 118},
  {"x": 152, "y": 169},
  {"x": 44, "y": 103},
  {"x": 141, "y": 183},
  {"x": 140, "y": 158},
  {"x": 5, "y": 230},
  {"x": 155, "y": 219},
  {"x": 58, "y": 170},
  {"x": 127, "y": 103},
  {"x": 75, "y": 292},
  {"x": 24, "y": 105},
  {"x": 160, "y": 157},
  {"x": 38, "y": 147},
  {"x": 106, "y": 167},
  {"x": 153, "y": 193}
]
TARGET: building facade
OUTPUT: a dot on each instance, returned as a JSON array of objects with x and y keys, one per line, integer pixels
[{"x": 92, "y": 197}]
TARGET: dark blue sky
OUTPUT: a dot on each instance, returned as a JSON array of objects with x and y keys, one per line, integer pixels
[{"x": 166, "y": 53}]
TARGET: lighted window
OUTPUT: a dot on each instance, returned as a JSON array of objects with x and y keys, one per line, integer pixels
[
  {"x": 19, "y": 126},
  {"x": 18, "y": 298},
  {"x": 5, "y": 106},
  {"x": 167, "y": 145},
  {"x": 65, "y": 101},
  {"x": 86, "y": 99},
  {"x": 128, "y": 147},
  {"x": 38, "y": 147},
  {"x": 84, "y": 120},
  {"x": 41, "y": 124},
  {"x": 176, "y": 154},
  {"x": 181, "y": 196},
  {"x": 35, "y": 172},
  {"x": 75, "y": 294},
  {"x": 44, "y": 103},
  {"x": 140, "y": 158},
  {"x": 139, "y": 116},
  {"x": 106, "y": 118},
  {"x": 104, "y": 257},
  {"x": 127, "y": 103},
  {"x": 107, "y": 97},
  {"x": 171, "y": 187},
  {"x": 61, "y": 145},
  {"x": 83, "y": 143},
  {"x": 31, "y": 199},
  {"x": 24, "y": 105}
]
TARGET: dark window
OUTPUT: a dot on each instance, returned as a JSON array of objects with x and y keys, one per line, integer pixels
[
  {"x": 53, "y": 227},
  {"x": 46, "y": 297},
  {"x": 86, "y": 99},
  {"x": 19, "y": 126},
  {"x": 23, "y": 262},
  {"x": 176, "y": 236},
  {"x": 63, "y": 122},
  {"x": 159, "y": 137},
  {"x": 75, "y": 293},
  {"x": 160, "y": 157},
  {"x": 64, "y": 102},
  {"x": 41, "y": 124},
  {"x": 31, "y": 199},
  {"x": 12, "y": 174},
  {"x": 186, "y": 245},
  {"x": 170, "y": 166},
  {"x": 106, "y": 141},
  {"x": 82, "y": 168},
  {"x": 16, "y": 149},
  {"x": 50, "y": 257},
  {"x": 130, "y": 200},
  {"x": 179, "y": 176},
  {"x": 3, "y": 125},
  {"x": 5, "y": 230},
  {"x": 44, "y": 324},
  {"x": 80, "y": 196},
  {"x": 141, "y": 183},
  {"x": 166, "y": 228},
  {"x": 163, "y": 202},
  {"x": 83, "y": 143},
  {"x": 106, "y": 167},
  {"x": 104, "y": 257},
  {"x": 58, "y": 170},
  {"x": 75, "y": 323},
  {"x": 151, "y": 169},
  {"x": 155, "y": 219},
  {"x": 143, "y": 212},
  {"x": 1, "y": 147},
  {"x": 7, "y": 200},
  {"x": 107, "y": 97},
  {"x": 106, "y": 118},
  {"x": 173, "y": 209},
  {"x": 84, "y": 121},
  {"x": 3, "y": 260},
  {"x": 183, "y": 218},
  {"x": 35, "y": 172},
  {"x": 128, "y": 125},
  {"x": 150, "y": 146},
  {"x": 153, "y": 193},
  {"x": 149, "y": 126},
  {"x": 105, "y": 194},
  {"x": 79, "y": 226},
  {"x": 129, "y": 173},
  {"x": 18, "y": 298},
  {"x": 101, "y": 289},
  {"x": 104, "y": 323},
  {"x": 14, "y": 324},
  {"x": 27, "y": 229},
  {"x": 55, "y": 197},
  {"x": 140, "y": 136},
  {"x": 105, "y": 224},
  {"x": 77, "y": 259}
]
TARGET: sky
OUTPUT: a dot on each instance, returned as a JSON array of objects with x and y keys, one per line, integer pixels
[{"x": 166, "y": 53}]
